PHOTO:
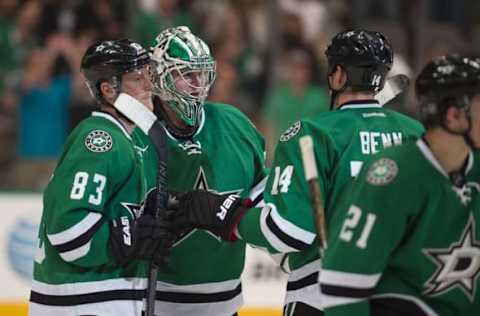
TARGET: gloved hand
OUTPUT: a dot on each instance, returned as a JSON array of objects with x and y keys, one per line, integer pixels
[
  {"x": 219, "y": 214},
  {"x": 146, "y": 238}
]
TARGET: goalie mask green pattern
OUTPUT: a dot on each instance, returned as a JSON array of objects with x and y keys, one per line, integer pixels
[{"x": 184, "y": 72}]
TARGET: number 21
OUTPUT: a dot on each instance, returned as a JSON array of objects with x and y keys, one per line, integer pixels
[{"x": 351, "y": 222}]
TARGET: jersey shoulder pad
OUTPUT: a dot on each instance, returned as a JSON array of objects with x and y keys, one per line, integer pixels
[{"x": 227, "y": 116}]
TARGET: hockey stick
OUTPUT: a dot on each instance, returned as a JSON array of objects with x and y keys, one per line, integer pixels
[
  {"x": 311, "y": 175},
  {"x": 392, "y": 88},
  {"x": 148, "y": 123}
]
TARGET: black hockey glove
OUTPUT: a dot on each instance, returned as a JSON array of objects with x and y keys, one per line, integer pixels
[
  {"x": 219, "y": 214},
  {"x": 146, "y": 238}
]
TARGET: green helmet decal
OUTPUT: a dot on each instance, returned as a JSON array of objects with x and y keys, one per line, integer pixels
[{"x": 184, "y": 72}]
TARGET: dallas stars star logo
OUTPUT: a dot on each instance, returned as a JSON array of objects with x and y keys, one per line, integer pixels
[
  {"x": 458, "y": 266},
  {"x": 133, "y": 209},
  {"x": 201, "y": 183}
]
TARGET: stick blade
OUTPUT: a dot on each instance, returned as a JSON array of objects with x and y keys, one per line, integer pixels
[{"x": 393, "y": 87}]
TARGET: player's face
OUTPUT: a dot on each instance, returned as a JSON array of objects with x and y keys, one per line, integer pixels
[
  {"x": 475, "y": 113},
  {"x": 137, "y": 84},
  {"x": 191, "y": 83}
]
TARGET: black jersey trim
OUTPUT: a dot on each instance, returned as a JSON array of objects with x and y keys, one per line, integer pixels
[
  {"x": 303, "y": 282},
  {"x": 80, "y": 240},
  {"x": 191, "y": 298},
  {"x": 393, "y": 306},
  {"x": 96, "y": 297},
  {"x": 342, "y": 291},
  {"x": 285, "y": 238},
  {"x": 257, "y": 200},
  {"x": 137, "y": 295}
]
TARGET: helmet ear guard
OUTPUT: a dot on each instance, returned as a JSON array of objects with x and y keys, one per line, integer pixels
[{"x": 365, "y": 56}]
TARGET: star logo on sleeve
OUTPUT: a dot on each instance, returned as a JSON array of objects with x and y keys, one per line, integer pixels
[{"x": 457, "y": 266}]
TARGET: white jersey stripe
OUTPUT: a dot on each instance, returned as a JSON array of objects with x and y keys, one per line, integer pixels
[
  {"x": 75, "y": 231},
  {"x": 350, "y": 280},
  {"x": 331, "y": 301},
  {"x": 129, "y": 284},
  {"x": 75, "y": 254},
  {"x": 258, "y": 189}
]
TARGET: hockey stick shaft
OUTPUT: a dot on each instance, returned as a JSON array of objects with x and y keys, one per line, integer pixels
[
  {"x": 159, "y": 138},
  {"x": 311, "y": 176},
  {"x": 147, "y": 121}
]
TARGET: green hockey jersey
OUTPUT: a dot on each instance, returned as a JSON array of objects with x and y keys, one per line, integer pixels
[
  {"x": 225, "y": 155},
  {"x": 408, "y": 240},
  {"x": 343, "y": 140},
  {"x": 102, "y": 174}
]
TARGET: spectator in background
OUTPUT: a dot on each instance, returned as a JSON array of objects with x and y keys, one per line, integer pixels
[
  {"x": 43, "y": 112},
  {"x": 296, "y": 97},
  {"x": 163, "y": 14}
]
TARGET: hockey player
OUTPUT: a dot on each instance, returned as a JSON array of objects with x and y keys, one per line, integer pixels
[
  {"x": 88, "y": 232},
  {"x": 409, "y": 243},
  {"x": 344, "y": 138},
  {"x": 212, "y": 147}
]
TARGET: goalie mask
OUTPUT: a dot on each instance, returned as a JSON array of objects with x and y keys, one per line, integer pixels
[{"x": 184, "y": 73}]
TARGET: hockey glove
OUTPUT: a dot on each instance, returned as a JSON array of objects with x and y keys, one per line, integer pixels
[
  {"x": 219, "y": 214},
  {"x": 146, "y": 238}
]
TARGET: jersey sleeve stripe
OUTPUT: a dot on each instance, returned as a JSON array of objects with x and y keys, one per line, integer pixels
[
  {"x": 75, "y": 254},
  {"x": 75, "y": 231},
  {"x": 328, "y": 301},
  {"x": 283, "y": 235},
  {"x": 290, "y": 229},
  {"x": 353, "y": 280},
  {"x": 274, "y": 241},
  {"x": 258, "y": 189},
  {"x": 80, "y": 240}
]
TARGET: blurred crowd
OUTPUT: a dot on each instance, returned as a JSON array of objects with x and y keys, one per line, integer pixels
[{"x": 269, "y": 53}]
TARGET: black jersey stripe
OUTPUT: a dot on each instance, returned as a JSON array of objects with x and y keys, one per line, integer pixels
[
  {"x": 95, "y": 297},
  {"x": 285, "y": 238},
  {"x": 192, "y": 298},
  {"x": 342, "y": 291},
  {"x": 395, "y": 307},
  {"x": 80, "y": 240},
  {"x": 114, "y": 295},
  {"x": 257, "y": 200},
  {"x": 303, "y": 282}
]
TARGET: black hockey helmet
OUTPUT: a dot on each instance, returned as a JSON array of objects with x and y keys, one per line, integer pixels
[
  {"x": 109, "y": 60},
  {"x": 366, "y": 56},
  {"x": 446, "y": 81}
]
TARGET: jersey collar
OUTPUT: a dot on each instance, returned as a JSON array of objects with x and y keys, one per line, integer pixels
[
  {"x": 430, "y": 157},
  {"x": 360, "y": 104},
  {"x": 200, "y": 126},
  {"x": 112, "y": 119}
]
